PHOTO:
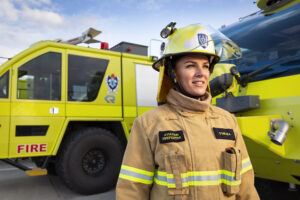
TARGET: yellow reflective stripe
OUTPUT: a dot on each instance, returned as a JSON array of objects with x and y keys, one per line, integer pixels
[
  {"x": 136, "y": 175},
  {"x": 140, "y": 171},
  {"x": 246, "y": 165},
  {"x": 198, "y": 183},
  {"x": 246, "y": 169},
  {"x": 164, "y": 183},
  {"x": 135, "y": 179},
  {"x": 227, "y": 182},
  {"x": 245, "y": 160},
  {"x": 203, "y": 183},
  {"x": 202, "y": 178}
]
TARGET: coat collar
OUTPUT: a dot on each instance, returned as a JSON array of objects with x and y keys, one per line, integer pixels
[{"x": 186, "y": 104}]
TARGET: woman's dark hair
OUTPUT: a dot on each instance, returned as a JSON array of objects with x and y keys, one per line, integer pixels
[{"x": 172, "y": 60}]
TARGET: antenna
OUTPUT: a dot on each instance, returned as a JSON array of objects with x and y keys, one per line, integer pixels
[{"x": 5, "y": 58}]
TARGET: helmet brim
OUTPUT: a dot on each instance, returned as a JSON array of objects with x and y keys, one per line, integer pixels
[{"x": 160, "y": 61}]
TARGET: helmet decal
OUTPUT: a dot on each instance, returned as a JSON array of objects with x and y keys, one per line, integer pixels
[{"x": 203, "y": 40}]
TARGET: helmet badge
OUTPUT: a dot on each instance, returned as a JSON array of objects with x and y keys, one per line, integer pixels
[{"x": 203, "y": 40}]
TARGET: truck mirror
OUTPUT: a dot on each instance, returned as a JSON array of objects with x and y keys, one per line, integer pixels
[
  {"x": 224, "y": 78},
  {"x": 220, "y": 84}
]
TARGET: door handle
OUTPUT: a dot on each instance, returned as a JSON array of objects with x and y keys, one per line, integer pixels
[{"x": 54, "y": 110}]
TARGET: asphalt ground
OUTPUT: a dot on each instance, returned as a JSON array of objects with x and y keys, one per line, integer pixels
[{"x": 16, "y": 185}]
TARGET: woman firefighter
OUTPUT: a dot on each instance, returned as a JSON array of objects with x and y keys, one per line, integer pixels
[{"x": 186, "y": 148}]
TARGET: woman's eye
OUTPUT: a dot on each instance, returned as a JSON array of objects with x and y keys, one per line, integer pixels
[
  {"x": 206, "y": 66},
  {"x": 189, "y": 66}
]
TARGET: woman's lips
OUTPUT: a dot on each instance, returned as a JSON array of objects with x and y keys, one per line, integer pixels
[{"x": 198, "y": 83}]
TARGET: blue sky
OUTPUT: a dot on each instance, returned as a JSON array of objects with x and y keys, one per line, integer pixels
[{"x": 23, "y": 22}]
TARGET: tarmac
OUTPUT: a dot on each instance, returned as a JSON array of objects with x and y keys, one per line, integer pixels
[{"x": 16, "y": 185}]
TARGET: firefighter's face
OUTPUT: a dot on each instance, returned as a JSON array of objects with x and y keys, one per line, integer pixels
[{"x": 192, "y": 74}]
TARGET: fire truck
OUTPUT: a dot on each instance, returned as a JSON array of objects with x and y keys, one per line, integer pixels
[
  {"x": 70, "y": 108},
  {"x": 262, "y": 88}
]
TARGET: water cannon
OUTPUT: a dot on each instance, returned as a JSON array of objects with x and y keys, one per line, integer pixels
[{"x": 86, "y": 37}]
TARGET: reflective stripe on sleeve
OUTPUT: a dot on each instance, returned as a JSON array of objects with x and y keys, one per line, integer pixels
[
  {"x": 136, "y": 175},
  {"x": 202, "y": 178},
  {"x": 246, "y": 163}
]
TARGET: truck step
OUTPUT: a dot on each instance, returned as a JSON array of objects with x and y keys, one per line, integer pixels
[{"x": 36, "y": 172}]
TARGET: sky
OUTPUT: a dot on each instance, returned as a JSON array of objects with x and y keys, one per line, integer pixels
[{"x": 24, "y": 22}]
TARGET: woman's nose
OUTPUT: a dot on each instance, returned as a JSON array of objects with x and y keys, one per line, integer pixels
[{"x": 199, "y": 71}]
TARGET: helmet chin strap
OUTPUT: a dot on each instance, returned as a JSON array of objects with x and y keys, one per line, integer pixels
[{"x": 174, "y": 81}]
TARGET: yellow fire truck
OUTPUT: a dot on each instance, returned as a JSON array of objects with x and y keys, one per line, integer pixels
[
  {"x": 262, "y": 89},
  {"x": 71, "y": 108}
]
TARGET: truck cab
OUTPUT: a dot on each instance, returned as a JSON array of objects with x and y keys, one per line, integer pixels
[{"x": 70, "y": 109}]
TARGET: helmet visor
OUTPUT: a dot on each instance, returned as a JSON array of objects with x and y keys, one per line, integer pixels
[
  {"x": 210, "y": 41},
  {"x": 225, "y": 48}
]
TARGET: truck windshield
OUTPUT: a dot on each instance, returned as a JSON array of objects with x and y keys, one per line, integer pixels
[{"x": 264, "y": 39}]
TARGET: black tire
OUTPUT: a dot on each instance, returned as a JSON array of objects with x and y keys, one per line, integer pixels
[
  {"x": 90, "y": 160},
  {"x": 268, "y": 189}
]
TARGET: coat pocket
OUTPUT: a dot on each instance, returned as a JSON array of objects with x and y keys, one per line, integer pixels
[
  {"x": 232, "y": 165},
  {"x": 176, "y": 170}
]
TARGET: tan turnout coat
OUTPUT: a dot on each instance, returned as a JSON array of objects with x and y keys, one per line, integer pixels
[{"x": 178, "y": 151}]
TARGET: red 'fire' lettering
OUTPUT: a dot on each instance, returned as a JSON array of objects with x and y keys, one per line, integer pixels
[
  {"x": 43, "y": 147},
  {"x": 31, "y": 148},
  {"x": 20, "y": 148},
  {"x": 34, "y": 147}
]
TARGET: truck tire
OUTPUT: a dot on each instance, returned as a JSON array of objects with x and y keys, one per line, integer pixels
[
  {"x": 275, "y": 190},
  {"x": 90, "y": 160}
]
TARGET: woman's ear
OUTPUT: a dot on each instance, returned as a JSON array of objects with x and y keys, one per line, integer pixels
[{"x": 175, "y": 80}]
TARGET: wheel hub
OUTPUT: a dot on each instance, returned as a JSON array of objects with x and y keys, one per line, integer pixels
[{"x": 93, "y": 162}]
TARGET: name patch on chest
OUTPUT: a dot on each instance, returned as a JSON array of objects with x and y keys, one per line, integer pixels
[
  {"x": 223, "y": 133},
  {"x": 170, "y": 136}
]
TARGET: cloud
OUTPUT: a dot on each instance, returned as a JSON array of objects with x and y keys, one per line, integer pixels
[
  {"x": 150, "y": 5},
  {"x": 24, "y": 22},
  {"x": 8, "y": 11},
  {"x": 35, "y": 17}
]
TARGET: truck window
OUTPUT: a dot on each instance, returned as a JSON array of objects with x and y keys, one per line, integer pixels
[
  {"x": 266, "y": 38},
  {"x": 40, "y": 78},
  {"x": 85, "y": 75},
  {"x": 146, "y": 85},
  {"x": 4, "y": 85}
]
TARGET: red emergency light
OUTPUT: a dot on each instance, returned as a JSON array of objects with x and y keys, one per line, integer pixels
[{"x": 104, "y": 45}]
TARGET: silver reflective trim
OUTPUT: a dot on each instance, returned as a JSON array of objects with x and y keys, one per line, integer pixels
[
  {"x": 204, "y": 178},
  {"x": 136, "y": 175},
  {"x": 164, "y": 179},
  {"x": 247, "y": 164},
  {"x": 197, "y": 178}
]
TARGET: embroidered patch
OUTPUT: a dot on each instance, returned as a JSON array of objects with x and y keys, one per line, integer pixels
[
  {"x": 170, "y": 136},
  {"x": 223, "y": 133}
]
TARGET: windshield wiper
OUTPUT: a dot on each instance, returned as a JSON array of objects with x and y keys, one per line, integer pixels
[
  {"x": 290, "y": 62},
  {"x": 244, "y": 81}
]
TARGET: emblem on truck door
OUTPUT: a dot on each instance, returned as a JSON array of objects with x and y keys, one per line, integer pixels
[
  {"x": 110, "y": 99},
  {"x": 112, "y": 83}
]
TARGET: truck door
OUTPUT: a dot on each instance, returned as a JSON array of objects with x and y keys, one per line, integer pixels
[
  {"x": 4, "y": 113},
  {"x": 146, "y": 87},
  {"x": 38, "y": 103},
  {"x": 94, "y": 85}
]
